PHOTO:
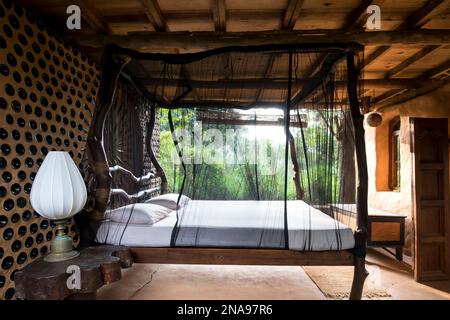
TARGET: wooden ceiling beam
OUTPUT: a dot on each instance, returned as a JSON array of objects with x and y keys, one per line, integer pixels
[
  {"x": 220, "y": 15},
  {"x": 414, "y": 20},
  {"x": 209, "y": 40},
  {"x": 92, "y": 17},
  {"x": 267, "y": 72},
  {"x": 247, "y": 104},
  {"x": 425, "y": 51},
  {"x": 290, "y": 17},
  {"x": 420, "y": 17},
  {"x": 266, "y": 83},
  {"x": 424, "y": 80},
  {"x": 188, "y": 78},
  {"x": 411, "y": 94},
  {"x": 154, "y": 15},
  {"x": 291, "y": 14},
  {"x": 443, "y": 68}
]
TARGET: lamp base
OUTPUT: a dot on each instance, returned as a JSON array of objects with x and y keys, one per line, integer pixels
[
  {"x": 56, "y": 257},
  {"x": 62, "y": 245}
]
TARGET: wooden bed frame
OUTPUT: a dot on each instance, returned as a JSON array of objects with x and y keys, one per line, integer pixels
[{"x": 113, "y": 61}]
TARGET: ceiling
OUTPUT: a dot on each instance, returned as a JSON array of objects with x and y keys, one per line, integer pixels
[{"x": 392, "y": 71}]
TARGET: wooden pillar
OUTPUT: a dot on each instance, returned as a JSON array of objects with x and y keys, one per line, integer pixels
[
  {"x": 345, "y": 138},
  {"x": 360, "y": 272},
  {"x": 300, "y": 193},
  {"x": 112, "y": 64},
  {"x": 148, "y": 142}
]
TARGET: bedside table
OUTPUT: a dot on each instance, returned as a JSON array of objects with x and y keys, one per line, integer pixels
[
  {"x": 95, "y": 266},
  {"x": 385, "y": 229}
]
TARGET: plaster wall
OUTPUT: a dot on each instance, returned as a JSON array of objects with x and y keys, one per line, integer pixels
[{"x": 432, "y": 105}]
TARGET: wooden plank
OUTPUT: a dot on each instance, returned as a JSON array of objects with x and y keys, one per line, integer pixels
[
  {"x": 311, "y": 86},
  {"x": 93, "y": 18},
  {"x": 232, "y": 256},
  {"x": 211, "y": 40},
  {"x": 387, "y": 95},
  {"x": 420, "y": 17},
  {"x": 394, "y": 96},
  {"x": 292, "y": 13},
  {"x": 410, "y": 94},
  {"x": 356, "y": 18},
  {"x": 385, "y": 231},
  {"x": 411, "y": 60},
  {"x": 437, "y": 71},
  {"x": 266, "y": 74},
  {"x": 267, "y": 83},
  {"x": 414, "y": 20},
  {"x": 154, "y": 14},
  {"x": 220, "y": 15}
]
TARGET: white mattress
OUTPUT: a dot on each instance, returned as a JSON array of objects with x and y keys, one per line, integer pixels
[{"x": 244, "y": 224}]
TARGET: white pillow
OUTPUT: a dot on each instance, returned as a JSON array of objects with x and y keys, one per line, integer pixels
[
  {"x": 141, "y": 213},
  {"x": 169, "y": 200}
]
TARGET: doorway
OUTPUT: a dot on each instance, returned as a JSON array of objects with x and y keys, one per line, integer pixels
[{"x": 431, "y": 199}]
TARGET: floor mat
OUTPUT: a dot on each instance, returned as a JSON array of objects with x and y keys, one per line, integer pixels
[{"x": 336, "y": 282}]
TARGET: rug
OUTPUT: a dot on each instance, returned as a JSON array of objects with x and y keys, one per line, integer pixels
[{"x": 336, "y": 282}]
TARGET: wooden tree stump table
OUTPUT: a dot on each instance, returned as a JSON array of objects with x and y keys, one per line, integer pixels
[{"x": 41, "y": 280}]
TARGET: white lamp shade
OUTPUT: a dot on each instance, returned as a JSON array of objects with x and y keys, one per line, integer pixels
[{"x": 58, "y": 190}]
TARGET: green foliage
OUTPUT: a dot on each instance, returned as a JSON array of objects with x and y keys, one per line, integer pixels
[{"x": 238, "y": 181}]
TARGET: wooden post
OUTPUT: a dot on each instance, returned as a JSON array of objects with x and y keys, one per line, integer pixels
[
  {"x": 112, "y": 64},
  {"x": 300, "y": 193},
  {"x": 148, "y": 142},
  {"x": 360, "y": 272},
  {"x": 344, "y": 136}
]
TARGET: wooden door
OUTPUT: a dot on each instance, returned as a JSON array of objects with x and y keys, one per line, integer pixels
[{"x": 431, "y": 199}]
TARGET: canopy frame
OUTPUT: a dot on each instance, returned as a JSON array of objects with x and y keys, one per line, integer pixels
[{"x": 115, "y": 59}]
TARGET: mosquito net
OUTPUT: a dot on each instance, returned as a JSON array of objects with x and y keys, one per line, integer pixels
[{"x": 256, "y": 144}]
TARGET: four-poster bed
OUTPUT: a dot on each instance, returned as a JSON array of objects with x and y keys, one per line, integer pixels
[{"x": 282, "y": 253}]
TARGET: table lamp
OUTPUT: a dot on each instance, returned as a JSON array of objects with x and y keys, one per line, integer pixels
[{"x": 58, "y": 193}]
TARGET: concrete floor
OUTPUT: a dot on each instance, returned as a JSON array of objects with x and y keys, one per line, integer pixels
[{"x": 171, "y": 282}]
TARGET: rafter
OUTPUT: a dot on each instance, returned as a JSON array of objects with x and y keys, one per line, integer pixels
[
  {"x": 290, "y": 17},
  {"x": 267, "y": 71},
  {"x": 292, "y": 13},
  {"x": 188, "y": 78},
  {"x": 424, "y": 80},
  {"x": 415, "y": 20},
  {"x": 93, "y": 18},
  {"x": 154, "y": 15},
  {"x": 411, "y": 60},
  {"x": 443, "y": 68},
  {"x": 204, "y": 40},
  {"x": 411, "y": 94},
  {"x": 219, "y": 15},
  {"x": 355, "y": 20},
  {"x": 275, "y": 84},
  {"x": 420, "y": 17}
]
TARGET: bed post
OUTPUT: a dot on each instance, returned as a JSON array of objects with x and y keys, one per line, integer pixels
[
  {"x": 112, "y": 64},
  {"x": 148, "y": 142},
  {"x": 359, "y": 252}
]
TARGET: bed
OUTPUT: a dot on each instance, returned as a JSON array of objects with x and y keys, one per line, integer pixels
[
  {"x": 236, "y": 224},
  {"x": 235, "y": 232}
]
